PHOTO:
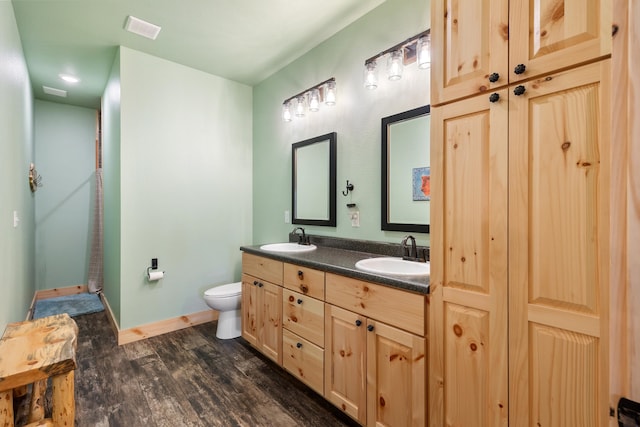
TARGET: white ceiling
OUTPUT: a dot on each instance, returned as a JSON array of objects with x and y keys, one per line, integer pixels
[{"x": 241, "y": 40}]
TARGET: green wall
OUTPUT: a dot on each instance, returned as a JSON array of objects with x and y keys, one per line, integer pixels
[
  {"x": 65, "y": 149},
  {"x": 184, "y": 155},
  {"x": 16, "y": 153},
  {"x": 110, "y": 114},
  {"x": 355, "y": 118}
]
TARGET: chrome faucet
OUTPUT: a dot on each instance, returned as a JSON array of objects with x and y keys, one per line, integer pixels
[
  {"x": 302, "y": 238},
  {"x": 409, "y": 252}
]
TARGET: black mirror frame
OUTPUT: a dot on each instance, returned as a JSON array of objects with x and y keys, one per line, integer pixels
[
  {"x": 331, "y": 222},
  {"x": 386, "y": 121}
]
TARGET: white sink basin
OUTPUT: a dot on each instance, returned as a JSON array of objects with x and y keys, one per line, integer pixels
[
  {"x": 288, "y": 247},
  {"x": 394, "y": 266}
]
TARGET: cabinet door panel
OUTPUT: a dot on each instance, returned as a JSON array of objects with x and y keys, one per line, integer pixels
[
  {"x": 559, "y": 189},
  {"x": 468, "y": 284},
  {"x": 271, "y": 324},
  {"x": 396, "y": 382},
  {"x": 304, "y": 316},
  {"x": 249, "y": 310},
  {"x": 345, "y": 365},
  {"x": 552, "y": 34},
  {"x": 470, "y": 41},
  {"x": 304, "y": 360}
]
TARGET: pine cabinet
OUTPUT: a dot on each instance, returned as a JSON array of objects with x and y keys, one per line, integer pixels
[
  {"x": 262, "y": 305},
  {"x": 519, "y": 250},
  {"x": 303, "y": 325},
  {"x": 375, "y": 371},
  {"x": 482, "y": 45}
]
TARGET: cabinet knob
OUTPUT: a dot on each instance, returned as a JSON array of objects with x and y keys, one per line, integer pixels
[
  {"x": 370, "y": 328},
  {"x": 358, "y": 322},
  {"x": 519, "y": 90},
  {"x": 299, "y": 301},
  {"x": 260, "y": 284},
  {"x": 299, "y": 345},
  {"x": 494, "y": 97},
  {"x": 300, "y": 274},
  {"x": 255, "y": 283},
  {"x": 494, "y": 77},
  {"x": 520, "y": 69}
]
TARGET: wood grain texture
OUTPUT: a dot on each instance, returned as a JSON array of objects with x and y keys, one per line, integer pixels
[
  {"x": 187, "y": 378},
  {"x": 142, "y": 332},
  {"x": 303, "y": 316},
  {"x": 559, "y": 202},
  {"x": 262, "y": 268},
  {"x": 37, "y": 350},
  {"x": 304, "y": 360},
  {"x": 470, "y": 41},
  {"x": 396, "y": 307},
  {"x": 304, "y": 280}
]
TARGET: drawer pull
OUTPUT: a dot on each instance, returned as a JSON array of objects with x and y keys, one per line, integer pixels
[
  {"x": 519, "y": 90},
  {"x": 358, "y": 322},
  {"x": 519, "y": 69},
  {"x": 494, "y": 77},
  {"x": 299, "y": 345},
  {"x": 300, "y": 274},
  {"x": 494, "y": 97},
  {"x": 370, "y": 328},
  {"x": 299, "y": 301}
]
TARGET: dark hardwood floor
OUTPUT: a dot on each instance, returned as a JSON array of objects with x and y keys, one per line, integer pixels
[{"x": 187, "y": 378}]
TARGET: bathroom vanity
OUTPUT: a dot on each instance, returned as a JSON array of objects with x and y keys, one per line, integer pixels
[{"x": 358, "y": 339}]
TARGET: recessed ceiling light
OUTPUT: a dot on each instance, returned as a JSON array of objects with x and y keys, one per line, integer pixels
[
  {"x": 141, "y": 28},
  {"x": 69, "y": 78},
  {"x": 54, "y": 91}
]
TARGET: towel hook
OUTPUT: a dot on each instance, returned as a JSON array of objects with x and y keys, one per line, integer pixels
[{"x": 349, "y": 188}]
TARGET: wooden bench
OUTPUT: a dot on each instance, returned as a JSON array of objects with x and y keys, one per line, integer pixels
[{"x": 31, "y": 352}]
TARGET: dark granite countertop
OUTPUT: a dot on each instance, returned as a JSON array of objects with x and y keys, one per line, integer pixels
[{"x": 343, "y": 261}]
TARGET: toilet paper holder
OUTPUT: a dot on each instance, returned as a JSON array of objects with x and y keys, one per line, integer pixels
[{"x": 152, "y": 272}]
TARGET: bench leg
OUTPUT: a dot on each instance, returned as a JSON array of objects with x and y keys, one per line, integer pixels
[
  {"x": 63, "y": 400},
  {"x": 36, "y": 406},
  {"x": 6, "y": 408}
]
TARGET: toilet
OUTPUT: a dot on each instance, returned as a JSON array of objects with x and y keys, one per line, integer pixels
[{"x": 226, "y": 300}]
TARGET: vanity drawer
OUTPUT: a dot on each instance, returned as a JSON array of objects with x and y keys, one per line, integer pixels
[
  {"x": 304, "y": 360},
  {"x": 396, "y": 307},
  {"x": 263, "y": 268},
  {"x": 305, "y": 280},
  {"x": 303, "y": 315}
]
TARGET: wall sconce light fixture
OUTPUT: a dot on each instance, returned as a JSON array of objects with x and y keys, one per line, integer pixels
[
  {"x": 414, "y": 49},
  {"x": 312, "y": 97}
]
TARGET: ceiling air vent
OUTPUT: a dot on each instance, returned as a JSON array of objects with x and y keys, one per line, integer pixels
[
  {"x": 54, "y": 91},
  {"x": 141, "y": 28}
]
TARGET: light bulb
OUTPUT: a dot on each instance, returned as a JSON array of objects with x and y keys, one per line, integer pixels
[
  {"x": 286, "y": 112},
  {"x": 314, "y": 100},
  {"x": 301, "y": 106},
  {"x": 370, "y": 75},
  {"x": 330, "y": 93},
  {"x": 424, "y": 52},
  {"x": 394, "y": 65}
]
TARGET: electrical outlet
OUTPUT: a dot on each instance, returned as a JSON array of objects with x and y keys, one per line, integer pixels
[{"x": 355, "y": 218}]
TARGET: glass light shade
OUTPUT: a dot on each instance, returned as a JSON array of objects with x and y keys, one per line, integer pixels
[
  {"x": 314, "y": 100},
  {"x": 394, "y": 65},
  {"x": 301, "y": 106},
  {"x": 424, "y": 52},
  {"x": 330, "y": 93},
  {"x": 286, "y": 112},
  {"x": 370, "y": 75}
]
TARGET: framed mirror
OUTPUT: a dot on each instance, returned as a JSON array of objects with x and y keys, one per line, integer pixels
[
  {"x": 313, "y": 181},
  {"x": 405, "y": 180}
]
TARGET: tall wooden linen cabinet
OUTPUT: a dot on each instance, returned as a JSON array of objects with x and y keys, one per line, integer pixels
[{"x": 520, "y": 244}]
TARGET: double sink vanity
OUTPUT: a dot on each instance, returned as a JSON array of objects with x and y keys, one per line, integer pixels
[{"x": 347, "y": 320}]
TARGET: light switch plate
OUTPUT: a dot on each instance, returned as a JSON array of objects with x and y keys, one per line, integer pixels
[{"x": 355, "y": 218}]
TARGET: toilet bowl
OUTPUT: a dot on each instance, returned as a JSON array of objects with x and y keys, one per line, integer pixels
[{"x": 226, "y": 300}]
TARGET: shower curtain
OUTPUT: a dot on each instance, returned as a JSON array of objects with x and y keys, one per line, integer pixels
[{"x": 95, "y": 280}]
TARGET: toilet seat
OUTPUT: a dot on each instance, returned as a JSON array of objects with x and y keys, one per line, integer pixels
[{"x": 229, "y": 290}]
